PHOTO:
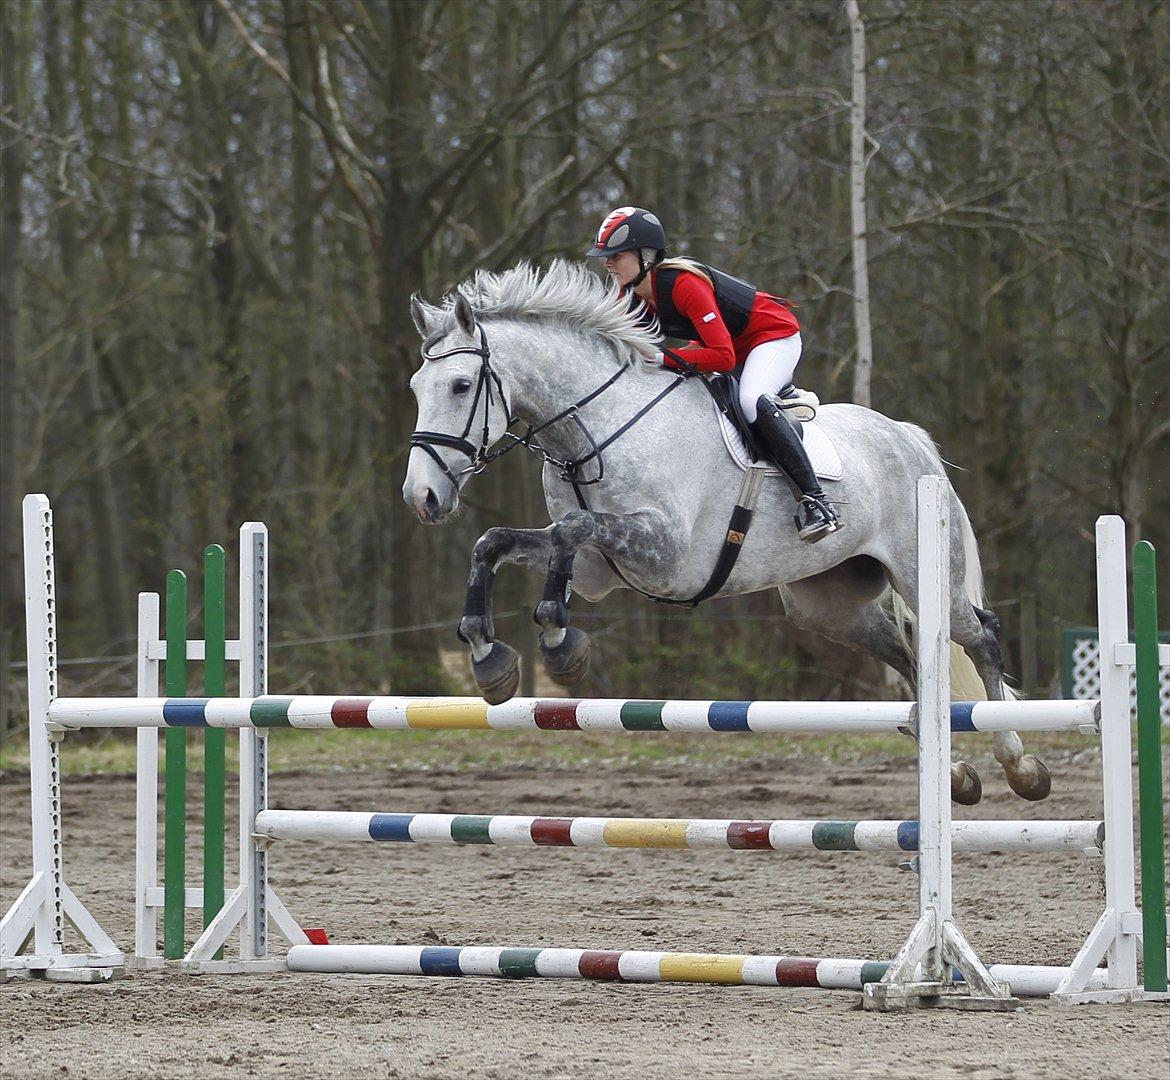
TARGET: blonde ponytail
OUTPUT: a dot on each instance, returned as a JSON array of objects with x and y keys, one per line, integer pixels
[{"x": 689, "y": 265}]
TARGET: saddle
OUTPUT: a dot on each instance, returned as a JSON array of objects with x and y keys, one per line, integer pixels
[{"x": 799, "y": 406}]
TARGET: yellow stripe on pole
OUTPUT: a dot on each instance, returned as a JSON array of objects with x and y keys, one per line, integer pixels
[
  {"x": 452, "y": 714},
  {"x": 701, "y": 968},
  {"x": 645, "y": 833}
]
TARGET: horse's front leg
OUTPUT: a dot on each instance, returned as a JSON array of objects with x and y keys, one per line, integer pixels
[
  {"x": 496, "y": 666},
  {"x": 641, "y": 542}
]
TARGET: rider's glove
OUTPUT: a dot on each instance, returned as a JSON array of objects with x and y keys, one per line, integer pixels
[{"x": 655, "y": 360}]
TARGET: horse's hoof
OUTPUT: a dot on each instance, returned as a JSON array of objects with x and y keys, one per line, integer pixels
[
  {"x": 498, "y": 674},
  {"x": 966, "y": 787},
  {"x": 1032, "y": 781},
  {"x": 567, "y": 662}
]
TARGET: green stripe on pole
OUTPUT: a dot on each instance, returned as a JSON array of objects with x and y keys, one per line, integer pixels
[
  {"x": 642, "y": 715},
  {"x": 175, "y": 799},
  {"x": 271, "y": 712},
  {"x": 835, "y": 835},
  {"x": 470, "y": 829},
  {"x": 519, "y": 963},
  {"x": 214, "y": 739},
  {"x": 1153, "y": 839}
]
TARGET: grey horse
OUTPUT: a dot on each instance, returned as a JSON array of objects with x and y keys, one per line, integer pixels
[{"x": 529, "y": 346}]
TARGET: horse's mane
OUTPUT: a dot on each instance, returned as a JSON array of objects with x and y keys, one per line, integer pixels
[{"x": 566, "y": 294}]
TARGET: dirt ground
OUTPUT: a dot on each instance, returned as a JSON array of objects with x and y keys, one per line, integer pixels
[{"x": 816, "y": 904}]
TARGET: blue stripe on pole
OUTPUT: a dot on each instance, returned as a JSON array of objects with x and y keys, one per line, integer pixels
[
  {"x": 962, "y": 718},
  {"x": 908, "y": 835},
  {"x": 185, "y": 712},
  {"x": 391, "y": 827},
  {"x": 728, "y": 715},
  {"x": 440, "y": 960}
]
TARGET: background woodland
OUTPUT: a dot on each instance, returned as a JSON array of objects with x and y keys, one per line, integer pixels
[{"x": 214, "y": 215}]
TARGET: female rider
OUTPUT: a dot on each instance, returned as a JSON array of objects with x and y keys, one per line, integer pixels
[{"x": 730, "y": 325}]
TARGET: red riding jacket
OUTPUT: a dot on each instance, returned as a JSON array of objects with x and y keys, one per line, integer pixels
[{"x": 694, "y": 301}]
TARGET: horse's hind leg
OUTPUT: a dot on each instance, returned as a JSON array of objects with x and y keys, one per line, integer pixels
[
  {"x": 976, "y": 630},
  {"x": 563, "y": 648},
  {"x": 844, "y": 605}
]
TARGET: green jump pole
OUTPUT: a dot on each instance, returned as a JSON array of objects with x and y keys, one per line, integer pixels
[
  {"x": 214, "y": 685},
  {"x": 1153, "y": 838},
  {"x": 175, "y": 799}
]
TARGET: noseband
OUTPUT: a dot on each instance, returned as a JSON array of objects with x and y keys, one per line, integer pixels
[{"x": 487, "y": 385}]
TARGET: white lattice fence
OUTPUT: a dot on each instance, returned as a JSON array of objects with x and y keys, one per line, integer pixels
[{"x": 1081, "y": 675}]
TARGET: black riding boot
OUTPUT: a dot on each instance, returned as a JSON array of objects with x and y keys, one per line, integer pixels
[{"x": 816, "y": 518}]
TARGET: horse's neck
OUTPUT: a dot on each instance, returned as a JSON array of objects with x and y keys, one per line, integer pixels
[{"x": 549, "y": 373}]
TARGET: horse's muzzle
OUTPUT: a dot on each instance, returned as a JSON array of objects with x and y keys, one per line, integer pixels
[{"x": 422, "y": 498}]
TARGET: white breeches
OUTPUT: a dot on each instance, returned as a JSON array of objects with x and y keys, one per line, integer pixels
[{"x": 769, "y": 367}]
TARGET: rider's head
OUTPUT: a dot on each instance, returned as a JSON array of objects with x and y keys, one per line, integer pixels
[{"x": 632, "y": 242}]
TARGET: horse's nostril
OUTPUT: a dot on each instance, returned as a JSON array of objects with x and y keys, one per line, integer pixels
[{"x": 431, "y": 502}]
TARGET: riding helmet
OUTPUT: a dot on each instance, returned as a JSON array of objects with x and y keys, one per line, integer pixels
[{"x": 629, "y": 228}]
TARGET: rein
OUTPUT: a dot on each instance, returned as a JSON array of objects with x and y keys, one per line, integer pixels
[{"x": 481, "y": 457}]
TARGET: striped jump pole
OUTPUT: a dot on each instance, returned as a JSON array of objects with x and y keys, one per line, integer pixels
[
  {"x": 558, "y": 714},
  {"x": 697, "y": 834},
  {"x": 631, "y": 966}
]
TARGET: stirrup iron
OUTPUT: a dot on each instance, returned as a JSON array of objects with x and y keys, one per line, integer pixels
[{"x": 819, "y": 518}]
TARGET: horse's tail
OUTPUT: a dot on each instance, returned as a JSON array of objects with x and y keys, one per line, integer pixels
[{"x": 966, "y": 685}]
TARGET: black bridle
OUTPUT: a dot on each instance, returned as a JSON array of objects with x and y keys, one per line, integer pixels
[{"x": 487, "y": 384}]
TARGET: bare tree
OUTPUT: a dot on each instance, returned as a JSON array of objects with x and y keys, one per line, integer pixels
[
  {"x": 858, "y": 161},
  {"x": 14, "y": 21}
]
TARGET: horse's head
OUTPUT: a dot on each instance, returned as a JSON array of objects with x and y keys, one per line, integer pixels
[{"x": 462, "y": 408}]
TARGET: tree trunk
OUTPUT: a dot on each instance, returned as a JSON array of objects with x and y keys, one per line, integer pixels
[
  {"x": 405, "y": 563},
  {"x": 113, "y": 598},
  {"x": 13, "y": 29},
  {"x": 863, "y": 368}
]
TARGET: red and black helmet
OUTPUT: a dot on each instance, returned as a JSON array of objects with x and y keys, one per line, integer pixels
[{"x": 629, "y": 228}]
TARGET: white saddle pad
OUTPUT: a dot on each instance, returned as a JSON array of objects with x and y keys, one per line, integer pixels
[{"x": 822, "y": 452}]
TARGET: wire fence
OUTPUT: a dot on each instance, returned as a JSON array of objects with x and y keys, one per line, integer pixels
[{"x": 450, "y": 623}]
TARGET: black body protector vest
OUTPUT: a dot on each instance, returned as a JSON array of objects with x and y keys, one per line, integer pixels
[{"x": 733, "y": 297}]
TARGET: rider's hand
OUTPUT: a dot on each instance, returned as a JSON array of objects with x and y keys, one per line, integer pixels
[{"x": 654, "y": 360}]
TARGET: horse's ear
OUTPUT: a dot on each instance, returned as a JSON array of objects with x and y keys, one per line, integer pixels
[
  {"x": 418, "y": 313},
  {"x": 464, "y": 315}
]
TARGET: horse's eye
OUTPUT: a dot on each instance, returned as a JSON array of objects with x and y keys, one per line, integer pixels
[{"x": 460, "y": 386}]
